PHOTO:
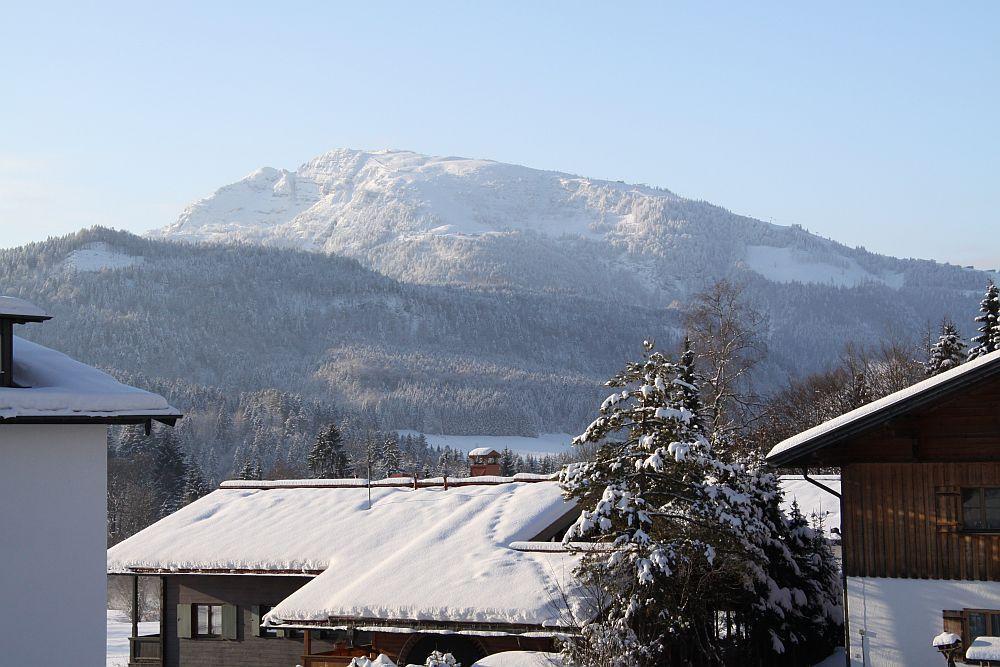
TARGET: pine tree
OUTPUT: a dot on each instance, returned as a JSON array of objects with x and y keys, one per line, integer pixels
[
  {"x": 169, "y": 468},
  {"x": 947, "y": 353},
  {"x": 327, "y": 458},
  {"x": 247, "y": 471},
  {"x": 988, "y": 339},
  {"x": 195, "y": 485},
  {"x": 391, "y": 458},
  {"x": 690, "y": 531},
  {"x": 509, "y": 463}
]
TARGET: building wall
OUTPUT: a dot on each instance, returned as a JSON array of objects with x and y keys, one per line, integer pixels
[
  {"x": 53, "y": 527},
  {"x": 904, "y": 520},
  {"x": 244, "y": 592},
  {"x": 893, "y": 621}
]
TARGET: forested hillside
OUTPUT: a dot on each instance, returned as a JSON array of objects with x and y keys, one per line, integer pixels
[{"x": 262, "y": 346}]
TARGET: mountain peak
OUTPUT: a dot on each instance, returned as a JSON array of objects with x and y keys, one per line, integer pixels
[{"x": 446, "y": 219}]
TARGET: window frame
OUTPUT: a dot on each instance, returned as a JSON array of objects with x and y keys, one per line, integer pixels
[
  {"x": 196, "y": 620},
  {"x": 992, "y": 620},
  {"x": 981, "y": 509}
]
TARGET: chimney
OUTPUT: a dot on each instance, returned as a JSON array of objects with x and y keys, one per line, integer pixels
[
  {"x": 14, "y": 311},
  {"x": 484, "y": 462}
]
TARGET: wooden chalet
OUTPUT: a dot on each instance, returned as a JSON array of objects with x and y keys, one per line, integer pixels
[{"x": 920, "y": 484}]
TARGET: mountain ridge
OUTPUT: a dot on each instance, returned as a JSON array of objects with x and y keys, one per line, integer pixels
[{"x": 472, "y": 222}]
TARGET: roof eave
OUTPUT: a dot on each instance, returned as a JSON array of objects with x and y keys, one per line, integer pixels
[
  {"x": 168, "y": 419},
  {"x": 796, "y": 456}
]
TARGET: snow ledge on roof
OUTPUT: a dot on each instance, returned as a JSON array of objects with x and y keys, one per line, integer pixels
[
  {"x": 54, "y": 385},
  {"x": 11, "y": 305}
]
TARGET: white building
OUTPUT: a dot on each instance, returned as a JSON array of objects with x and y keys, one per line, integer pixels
[{"x": 54, "y": 416}]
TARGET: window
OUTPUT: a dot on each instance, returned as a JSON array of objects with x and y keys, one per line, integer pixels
[
  {"x": 983, "y": 623},
  {"x": 981, "y": 508},
  {"x": 209, "y": 620},
  {"x": 972, "y": 623}
]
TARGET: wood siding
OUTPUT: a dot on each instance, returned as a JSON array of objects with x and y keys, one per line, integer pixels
[
  {"x": 965, "y": 427},
  {"x": 246, "y": 650},
  {"x": 904, "y": 520}
]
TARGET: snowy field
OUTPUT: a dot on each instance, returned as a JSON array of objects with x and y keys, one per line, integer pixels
[
  {"x": 546, "y": 443},
  {"x": 119, "y": 630}
]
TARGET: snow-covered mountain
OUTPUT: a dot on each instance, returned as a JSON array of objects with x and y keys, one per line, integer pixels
[{"x": 449, "y": 220}]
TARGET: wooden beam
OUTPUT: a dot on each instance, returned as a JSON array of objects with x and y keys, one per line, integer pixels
[
  {"x": 6, "y": 353},
  {"x": 307, "y": 642},
  {"x": 135, "y": 605}
]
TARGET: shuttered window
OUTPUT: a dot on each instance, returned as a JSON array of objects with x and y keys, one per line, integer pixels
[
  {"x": 981, "y": 508},
  {"x": 209, "y": 620}
]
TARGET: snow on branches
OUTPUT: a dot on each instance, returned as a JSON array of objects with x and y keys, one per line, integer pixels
[{"x": 691, "y": 530}]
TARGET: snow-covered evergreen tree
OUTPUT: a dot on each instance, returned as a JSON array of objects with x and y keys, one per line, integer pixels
[
  {"x": 169, "y": 467},
  {"x": 988, "y": 339},
  {"x": 947, "y": 353},
  {"x": 509, "y": 462},
  {"x": 391, "y": 458},
  {"x": 247, "y": 471},
  {"x": 195, "y": 485},
  {"x": 327, "y": 459},
  {"x": 688, "y": 533}
]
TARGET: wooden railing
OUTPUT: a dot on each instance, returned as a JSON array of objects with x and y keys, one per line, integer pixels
[
  {"x": 337, "y": 658},
  {"x": 145, "y": 650}
]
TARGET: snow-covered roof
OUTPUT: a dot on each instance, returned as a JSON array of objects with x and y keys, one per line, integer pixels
[
  {"x": 426, "y": 554},
  {"x": 52, "y": 385},
  {"x": 984, "y": 648},
  {"x": 16, "y": 308},
  {"x": 812, "y": 500},
  {"x": 876, "y": 412},
  {"x": 483, "y": 451}
]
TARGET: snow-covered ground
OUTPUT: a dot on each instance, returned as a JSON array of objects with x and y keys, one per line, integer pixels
[
  {"x": 520, "y": 659},
  {"x": 119, "y": 630},
  {"x": 546, "y": 443},
  {"x": 99, "y": 256}
]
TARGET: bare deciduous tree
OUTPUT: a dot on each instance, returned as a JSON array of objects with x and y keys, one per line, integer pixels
[{"x": 728, "y": 334}]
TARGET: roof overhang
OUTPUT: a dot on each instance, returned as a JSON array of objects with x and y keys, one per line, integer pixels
[
  {"x": 169, "y": 420},
  {"x": 882, "y": 411},
  {"x": 481, "y": 628}
]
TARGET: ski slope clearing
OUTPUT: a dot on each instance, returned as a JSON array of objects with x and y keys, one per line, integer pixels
[{"x": 99, "y": 257}]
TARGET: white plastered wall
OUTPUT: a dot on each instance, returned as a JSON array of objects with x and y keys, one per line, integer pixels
[
  {"x": 894, "y": 620},
  {"x": 53, "y": 486}
]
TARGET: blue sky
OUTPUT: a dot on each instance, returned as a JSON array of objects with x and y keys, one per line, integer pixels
[{"x": 873, "y": 125}]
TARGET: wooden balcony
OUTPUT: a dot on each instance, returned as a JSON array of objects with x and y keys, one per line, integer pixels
[{"x": 145, "y": 651}]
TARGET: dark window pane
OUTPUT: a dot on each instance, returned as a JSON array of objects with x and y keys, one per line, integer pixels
[
  {"x": 977, "y": 625},
  {"x": 991, "y": 502},
  {"x": 995, "y": 618},
  {"x": 972, "y": 508}
]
